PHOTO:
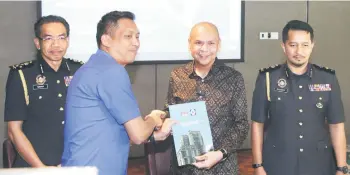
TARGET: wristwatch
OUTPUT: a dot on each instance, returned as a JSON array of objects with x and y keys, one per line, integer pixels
[
  {"x": 257, "y": 165},
  {"x": 343, "y": 169},
  {"x": 224, "y": 154}
]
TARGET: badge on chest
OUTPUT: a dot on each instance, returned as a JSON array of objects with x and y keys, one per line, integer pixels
[
  {"x": 67, "y": 80},
  {"x": 319, "y": 104},
  {"x": 40, "y": 82},
  {"x": 319, "y": 87},
  {"x": 281, "y": 85}
]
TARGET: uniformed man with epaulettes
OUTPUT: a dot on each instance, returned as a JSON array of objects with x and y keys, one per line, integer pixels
[
  {"x": 293, "y": 105},
  {"x": 36, "y": 94}
]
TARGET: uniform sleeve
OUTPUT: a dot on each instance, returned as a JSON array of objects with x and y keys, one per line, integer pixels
[
  {"x": 260, "y": 103},
  {"x": 335, "y": 109},
  {"x": 115, "y": 92},
  {"x": 15, "y": 105}
]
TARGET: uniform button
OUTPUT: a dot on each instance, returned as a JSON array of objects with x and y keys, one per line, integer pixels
[
  {"x": 62, "y": 122},
  {"x": 61, "y": 108},
  {"x": 59, "y": 95},
  {"x": 202, "y": 81},
  {"x": 301, "y": 123},
  {"x": 300, "y": 86},
  {"x": 301, "y": 136},
  {"x": 320, "y": 98},
  {"x": 300, "y": 110},
  {"x": 40, "y": 97},
  {"x": 58, "y": 81},
  {"x": 300, "y": 97},
  {"x": 301, "y": 150},
  {"x": 278, "y": 98}
]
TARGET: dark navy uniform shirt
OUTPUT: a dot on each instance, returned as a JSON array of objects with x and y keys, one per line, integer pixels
[
  {"x": 42, "y": 109},
  {"x": 295, "y": 110}
]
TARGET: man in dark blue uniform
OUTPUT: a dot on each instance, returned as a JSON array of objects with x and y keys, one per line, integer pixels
[
  {"x": 293, "y": 106},
  {"x": 36, "y": 95}
]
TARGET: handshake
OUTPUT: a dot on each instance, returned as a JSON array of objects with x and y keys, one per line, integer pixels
[{"x": 163, "y": 124}]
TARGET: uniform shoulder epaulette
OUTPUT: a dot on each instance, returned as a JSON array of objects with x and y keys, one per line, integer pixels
[
  {"x": 73, "y": 61},
  {"x": 22, "y": 65},
  {"x": 325, "y": 68},
  {"x": 268, "y": 69}
]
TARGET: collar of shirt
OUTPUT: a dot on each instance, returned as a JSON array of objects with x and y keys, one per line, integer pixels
[
  {"x": 45, "y": 67},
  {"x": 215, "y": 69},
  {"x": 290, "y": 74},
  {"x": 103, "y": 56}
]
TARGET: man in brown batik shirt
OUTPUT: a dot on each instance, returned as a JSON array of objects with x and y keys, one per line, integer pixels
[{"x": 223, "y": 90}]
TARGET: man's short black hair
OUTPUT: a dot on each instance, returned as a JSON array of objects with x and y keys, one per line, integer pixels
[
  {"x": 297, "y": 25},
  {"x": 109, "y": 22},
  {"x": 49, "y": 19}
]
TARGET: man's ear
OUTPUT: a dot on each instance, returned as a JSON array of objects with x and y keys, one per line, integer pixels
[
  {"x": 283, "y": 47},
  {"x": 37, "y": 43},
  {"x": 106, "y": 40}
]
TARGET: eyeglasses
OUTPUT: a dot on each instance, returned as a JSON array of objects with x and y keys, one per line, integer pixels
[{"x": 51, "y": 39}]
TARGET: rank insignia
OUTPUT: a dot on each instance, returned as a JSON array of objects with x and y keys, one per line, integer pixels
[
  {"x": 67, "y": 80},
  {"x": 320, "y": 87}
]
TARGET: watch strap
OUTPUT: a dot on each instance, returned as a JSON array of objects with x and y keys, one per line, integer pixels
[
  {"x": 257, "y": 165},
  {"x": 224, "y": 154}
]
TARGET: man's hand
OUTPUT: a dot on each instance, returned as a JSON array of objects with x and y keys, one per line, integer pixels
[
  {"x": 165, "y": 130},
  {"x": 157, "y": 116},
  {"x": 159, "y": 113},
  {"x": 208, "y": 160},
  {"x": 260, "y": 171}
]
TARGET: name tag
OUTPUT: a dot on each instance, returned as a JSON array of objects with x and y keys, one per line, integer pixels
[
  {"x": 320, "y": 87},
  {"x": 281, "y": 90},
  {"x": 44, "y": 86}
]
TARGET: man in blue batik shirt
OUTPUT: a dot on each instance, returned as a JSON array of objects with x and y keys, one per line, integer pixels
[{"x": 102, "y": 114}]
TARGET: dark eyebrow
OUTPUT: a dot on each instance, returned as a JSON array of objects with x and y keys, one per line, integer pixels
[
  {"x": 63, "y": 34},
  {"x": 46, "y": 35}
]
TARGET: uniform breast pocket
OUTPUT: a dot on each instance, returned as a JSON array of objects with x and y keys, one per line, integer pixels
[
  {"x": 39, "y": 97},
  {"x": 320, "y": 102},
  {"x": 278, "y": 103}
]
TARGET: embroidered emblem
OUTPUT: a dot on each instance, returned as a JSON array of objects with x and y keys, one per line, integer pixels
[
  {"x": 282, "y": 83},
  {"x": 40, "y": 79},
  {"x": 319, "y": 105}
]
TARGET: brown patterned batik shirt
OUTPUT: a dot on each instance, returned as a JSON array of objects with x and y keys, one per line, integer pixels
[{"x": 223, "y": 90}]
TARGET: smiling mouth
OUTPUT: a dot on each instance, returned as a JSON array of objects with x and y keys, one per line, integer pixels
[
  {"x": 56, "y": 51},
  {"x": 204, "y": 56}
]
